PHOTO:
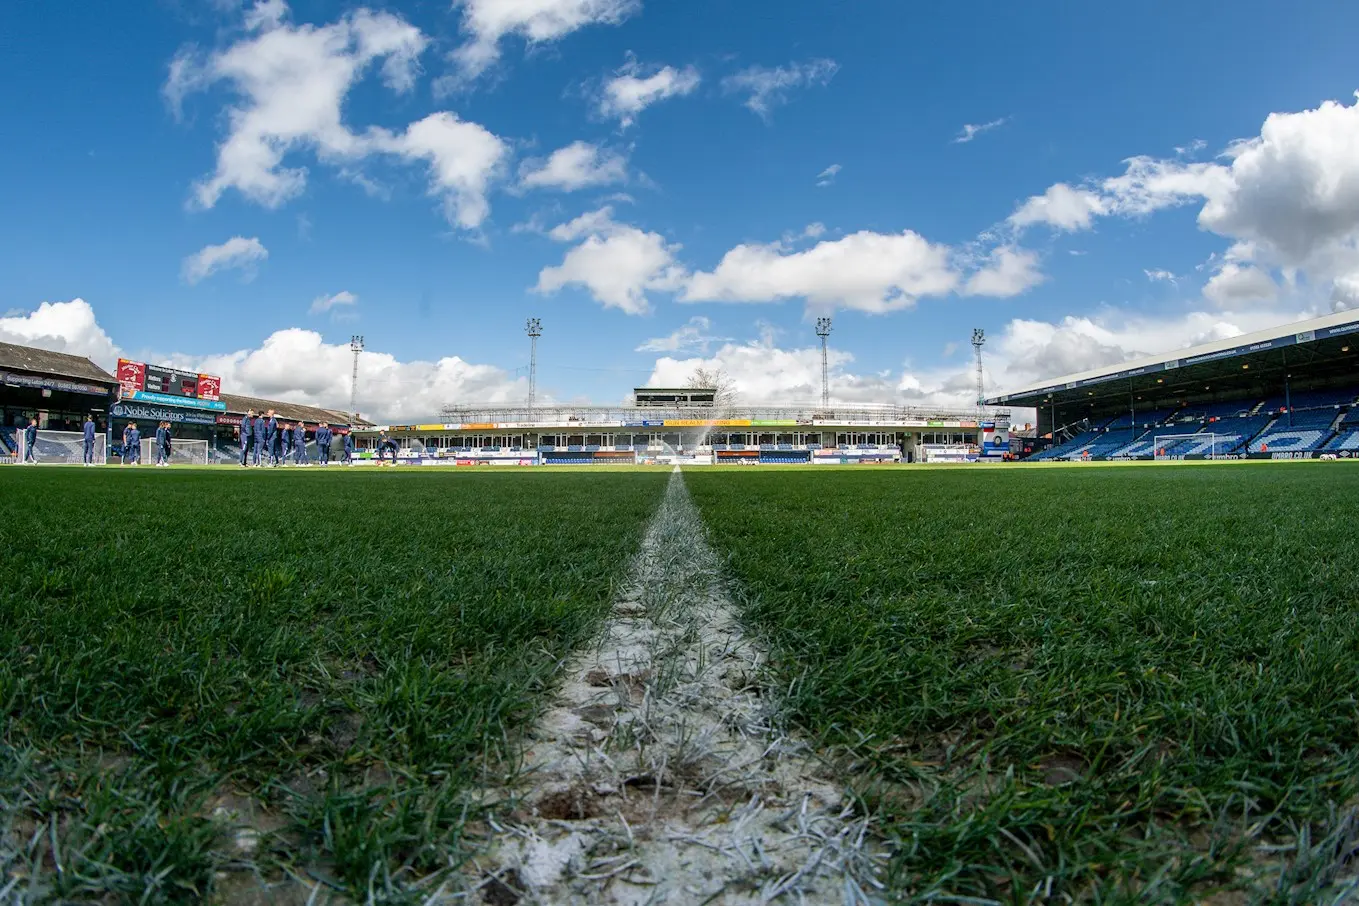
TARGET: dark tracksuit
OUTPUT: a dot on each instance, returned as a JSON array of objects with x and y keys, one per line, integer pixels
[
  {"x": 348, "y": 448},
  {"x": 387, "y": 446},
  {"x": 278, "y": 446},
  {"x": 165, "y": 444},
  {"x": 323, "y": 436},
  {"x": 160, "y": 445},
  {"x": 89, "y": 442},
  {"x": 247, "y": 428},
  {"x": 270, "y": 433},
  {"x": 259, "y": 439},
  {"x": 30, "y": 443},
  {"x": 300, "y": 444},
  {"x": 132, "y": 445},
  {"x": 287, "y": 434}
]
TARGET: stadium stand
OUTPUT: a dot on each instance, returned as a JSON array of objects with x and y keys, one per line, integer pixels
[
  {"x": 1288, "y": 392},
  {"x": 9, "y": 444}
]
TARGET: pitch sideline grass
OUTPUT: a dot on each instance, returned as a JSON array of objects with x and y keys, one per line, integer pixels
[
  {"x": 1113, "y": 685},
  {"x": 328, "y": 663}
]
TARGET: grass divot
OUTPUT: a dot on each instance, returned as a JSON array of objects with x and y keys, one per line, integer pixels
[{"x": 661, "y": 773}]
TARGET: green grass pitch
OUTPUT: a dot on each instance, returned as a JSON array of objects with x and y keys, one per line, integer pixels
[{"x": 1079, "y": 684}]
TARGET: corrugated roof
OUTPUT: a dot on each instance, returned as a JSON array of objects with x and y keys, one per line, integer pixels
[
  {"x": 239, "y": 405},
  {"x": 44, "y": 361}
]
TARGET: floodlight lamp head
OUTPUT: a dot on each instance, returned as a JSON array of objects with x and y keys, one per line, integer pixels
[
  {"x": 978, "y": 336},
  {"x": 356, "y": 343},
  {"x": 823, "y": 327},
  {"x": 534, "y": 327}
]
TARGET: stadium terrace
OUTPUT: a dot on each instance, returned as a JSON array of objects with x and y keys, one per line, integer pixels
[
  {"x": 1285, "y": 393},
  {"x": 689, "y": 426}
]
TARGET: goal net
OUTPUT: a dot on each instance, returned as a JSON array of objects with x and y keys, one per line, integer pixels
[
  {"x": 1178, "y": 446},
  {"x": 63, "y": 447},
  {"x": 182, "y": 452}
]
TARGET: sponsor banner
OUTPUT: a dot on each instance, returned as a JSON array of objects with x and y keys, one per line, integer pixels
[
  {"x": 168, "y": 399},
  {"x": 131, "y": 376},
  {"x": 46, "y": 383},
  {"x": 209, "y": 387},
  {"x": 644, "y": 424},
  {"x": 140, "y": 412},
  {"x": 775, "y": 423}
]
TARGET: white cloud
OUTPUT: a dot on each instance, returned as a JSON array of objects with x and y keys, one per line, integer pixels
[
  {"x": 236, "y": 252},
  {"x": 1235, "y": 284},
  {"x": 464, "y": 160},
  {"x": 579, "y": 165},
  {"x": 867, "y": 271},
  {"x": 827, "y": 176},
  {"x": 766, "y": 88},
  {"x": 693, "y": 335},
  {"x": 1345, "y": 293},
  {"x": 389, "y": 389},
  {"x": 1024, "y": 352},
  {"x": 634, "y": 87},
  {"x": 68, "y": 327},
  {"x": 972, "y": 130},
  {"x": 1288, "y": 197},
  {"x": 487, "y": 22},
  {"x": 1061, "y": 206},
  {"x": 322, "y": 304},
  {"x": 1157, "y": 275},
  {"x": 1006, "y": 271},
  {"x": 616, "y": 262},
  {"x": 292, "y": 82}
]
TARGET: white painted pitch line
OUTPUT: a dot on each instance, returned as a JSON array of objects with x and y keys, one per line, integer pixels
[{"x": 661, "y": 774}]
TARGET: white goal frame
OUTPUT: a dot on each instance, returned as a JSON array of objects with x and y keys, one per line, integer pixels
[
  {"x": 1160, "y": 441},
  {"x": 182, "y": 452},
  {"x": 72, "y": 448}
]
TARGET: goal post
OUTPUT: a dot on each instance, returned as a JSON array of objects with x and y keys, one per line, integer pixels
[
  {"x": 62, "y": 448},
  {"x": 182, "y": 452},
  {"x": 1178, "y": 446}
]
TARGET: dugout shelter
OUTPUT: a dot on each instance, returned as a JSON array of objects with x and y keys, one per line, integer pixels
[{"x": 1285, "y": 393}]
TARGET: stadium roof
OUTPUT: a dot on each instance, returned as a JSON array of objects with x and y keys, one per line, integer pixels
[
  {"x": 239, "y": 405},
  {"x": 43, "y": 361},
  {"x": 1320, "y": 344}
]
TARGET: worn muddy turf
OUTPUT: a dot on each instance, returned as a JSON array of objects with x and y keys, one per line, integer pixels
[
  {"x": 257, "y": 689},
  {"x": 1114, "y": 686}
]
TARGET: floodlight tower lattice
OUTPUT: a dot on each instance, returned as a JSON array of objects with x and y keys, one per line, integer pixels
[
  {"x": 823, "y": 329},
  {"x": 978, "y": 341},
  {"x": 534, "y": 329},
  {"x": 356, "y": 347}
]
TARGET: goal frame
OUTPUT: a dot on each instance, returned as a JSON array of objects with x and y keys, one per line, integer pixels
[
  {"x": 73, "y": 440},
  {"x": 1159, "y": 441},
  {"x": 183, "y": 452}
]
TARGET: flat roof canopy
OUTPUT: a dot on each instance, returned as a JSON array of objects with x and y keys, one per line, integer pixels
[{"x": 1311, "y": 353}]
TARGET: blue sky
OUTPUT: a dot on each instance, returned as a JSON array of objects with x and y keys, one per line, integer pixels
[{"x": 805, "y": 161}]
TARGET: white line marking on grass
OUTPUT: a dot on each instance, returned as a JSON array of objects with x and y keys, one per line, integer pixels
[{"x": 661, "y": 775}]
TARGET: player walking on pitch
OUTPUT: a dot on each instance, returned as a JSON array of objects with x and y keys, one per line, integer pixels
[
  {"x": 270, "y": 435},
  {"x": 165, "y": 442},
  {"x": 300, "y": 444},
  {"x": 348, "y": 448},
  {"x": 323, "y": 438},
  {"x": 132, "y": 444},
  {"x": 160, "y": 445},
  {"x": 261, "y": 454},
  {"x": 31, "y": 442},
  {"x": 247, "y": 428},
  {"x": 88, "y": 431}
]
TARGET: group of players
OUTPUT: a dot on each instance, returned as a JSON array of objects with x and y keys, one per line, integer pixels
[
  {"x": 267, "y": 441},
  {"x": 132, "y": 443}
]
